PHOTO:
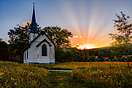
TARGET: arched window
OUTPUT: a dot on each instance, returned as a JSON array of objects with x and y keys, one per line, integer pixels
[{"x": 44, "y": 50}]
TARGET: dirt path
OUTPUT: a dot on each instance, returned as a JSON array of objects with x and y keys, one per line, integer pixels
[
  {"x": 60, "y": 70},
  {"x": 59, "y": 78}
]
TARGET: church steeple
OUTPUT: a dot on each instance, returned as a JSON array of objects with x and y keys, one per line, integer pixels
[{"x": 34, "y": 26}]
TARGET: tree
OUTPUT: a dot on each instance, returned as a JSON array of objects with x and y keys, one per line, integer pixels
[
  {"x": 18, "y": 39},
  {"x": 59, "y": 36},
  {"x": 19, "y": 34},
  {"x": 124, "y": 29},
  {"x": 122, "y": 39},
  {"x": 3, "y": 50}
]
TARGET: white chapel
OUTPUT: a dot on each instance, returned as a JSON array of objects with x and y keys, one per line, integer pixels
[{"x": 40, "y": 49}]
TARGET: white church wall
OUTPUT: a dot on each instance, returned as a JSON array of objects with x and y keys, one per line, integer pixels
[
  {"x": 35, "y": 53},
  {"x": 50, "y": 49}
]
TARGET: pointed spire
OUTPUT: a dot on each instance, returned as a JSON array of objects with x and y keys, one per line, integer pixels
[{"x": 34, "y": 26}]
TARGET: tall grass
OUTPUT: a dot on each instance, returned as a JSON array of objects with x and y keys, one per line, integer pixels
[
  {"x": 78, "y": 65},
  {"x": 83, "y": 75},
  {"x": 98, "y": 74},
  {"x": 14, "y": 75},
  {"x": 103, "y": 75}
]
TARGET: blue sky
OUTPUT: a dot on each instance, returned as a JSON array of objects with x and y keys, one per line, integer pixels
[{"x": 89, "y": 20}]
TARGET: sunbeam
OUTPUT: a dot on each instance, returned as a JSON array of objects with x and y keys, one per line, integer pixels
[{"x": 88, "y": 27}]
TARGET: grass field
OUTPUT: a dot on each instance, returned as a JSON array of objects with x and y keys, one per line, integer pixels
[
  {"x": 84, "y": 75},
  {"x": 14, "y": 75}
]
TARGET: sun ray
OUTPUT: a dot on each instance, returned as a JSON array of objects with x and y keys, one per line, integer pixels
[
  {"x": 69, "y": 14},
  {"x": 88, "y": 27}
]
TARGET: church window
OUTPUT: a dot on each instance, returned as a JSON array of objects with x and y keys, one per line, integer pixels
[{"x": 44, "y": 50}]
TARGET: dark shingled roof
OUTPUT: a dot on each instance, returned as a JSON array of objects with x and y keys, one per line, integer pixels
[
  {"x": 34, "y": 25},
  {"x": 40, "y": 42}
]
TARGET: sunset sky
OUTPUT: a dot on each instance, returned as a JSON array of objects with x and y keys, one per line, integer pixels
[{"x": 90, "y": 21}]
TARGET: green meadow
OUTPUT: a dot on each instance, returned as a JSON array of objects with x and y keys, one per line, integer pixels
[{"x": 81, "y": 75}]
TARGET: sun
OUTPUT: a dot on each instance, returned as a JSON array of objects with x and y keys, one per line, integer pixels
[{"x": 86, "y": 46}]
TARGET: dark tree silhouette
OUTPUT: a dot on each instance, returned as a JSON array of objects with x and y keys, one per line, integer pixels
[
  {"x": 124, "y": 30},
  {"x": 122, "y": 38},
  {"x": 59, "y": 36},
  {"x": 18, "y": 39},
  {"x": 3, "y": 50}
]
